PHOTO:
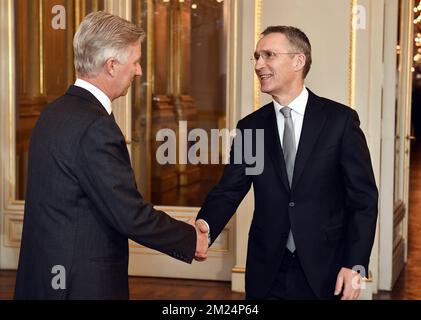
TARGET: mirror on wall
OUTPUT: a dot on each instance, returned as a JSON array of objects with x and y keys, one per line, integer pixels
[
  {"x": 183, "y": 87},
  {"x": 44, "y": 69}
]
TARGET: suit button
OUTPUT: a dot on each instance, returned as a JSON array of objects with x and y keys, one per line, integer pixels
[{"x": 292, "y": 204}]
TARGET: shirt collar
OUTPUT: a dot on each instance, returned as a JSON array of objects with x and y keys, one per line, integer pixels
[
  {"x": 298, "y": 104},
  {"x": 100, "y": 95}
]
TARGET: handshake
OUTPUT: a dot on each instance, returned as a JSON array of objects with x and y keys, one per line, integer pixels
[{"x": 202, "y": 244}]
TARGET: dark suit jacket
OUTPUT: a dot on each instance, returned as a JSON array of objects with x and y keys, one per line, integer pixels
[
  {"x": 82, "y": 205},
  {"x": 331, "y": 205}
]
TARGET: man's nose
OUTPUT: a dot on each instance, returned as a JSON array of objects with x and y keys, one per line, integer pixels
[{"x": 259, "y": 63}]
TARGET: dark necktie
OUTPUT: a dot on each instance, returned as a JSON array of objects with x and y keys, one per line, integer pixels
[
  {"x": 112, "y": 116},
  {"x": 289, "y": 149}
]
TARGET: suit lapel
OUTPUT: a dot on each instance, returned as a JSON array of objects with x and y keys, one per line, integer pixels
[
  {"x": 314, "y": 120},
  {"x": 273, "y": 144}
]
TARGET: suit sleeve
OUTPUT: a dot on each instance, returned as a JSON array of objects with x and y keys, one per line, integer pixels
[
  {"x": 107, "y": 178},
  {"x": 224, "y": 199},
  {"x": 361, "y": 195}
]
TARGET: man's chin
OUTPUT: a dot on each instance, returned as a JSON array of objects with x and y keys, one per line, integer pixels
[
  {"x": 264, "y": 89},
  {"x": 124, "y": 93}
]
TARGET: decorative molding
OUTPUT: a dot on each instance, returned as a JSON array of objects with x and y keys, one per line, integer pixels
[
  {"x": 238, "y": 270},
  {"x": 13, "y": 224},
  {"x": 150, "y": 76},
  {"x": 182, "y": 212},
  {"x": 398, "y": 259},
  {"x": 122, "y": 106},
  {"x": 222, "y": 243},
  {"x": 408, "y": 88},
  {"x": 8, "y": 111},
  {"x": 399, "y": 213},
  {"x": 232, "y": 65},
  {"x": 41, "y": 48}
]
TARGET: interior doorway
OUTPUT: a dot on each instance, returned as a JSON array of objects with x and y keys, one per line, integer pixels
[
  {"x": 408, "y": 285},
  {"x": 399, "y": 269}
]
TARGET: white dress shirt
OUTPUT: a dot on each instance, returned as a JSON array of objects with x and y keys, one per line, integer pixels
[
  {"x": 100, "y": 95},
  {"x": 298, "y": 108}
]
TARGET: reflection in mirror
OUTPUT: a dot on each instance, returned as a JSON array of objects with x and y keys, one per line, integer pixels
[
  {"x": 183, "y": 87},
  {"x": 184, "y": 79},
  {"x": 44, "y": 32}
]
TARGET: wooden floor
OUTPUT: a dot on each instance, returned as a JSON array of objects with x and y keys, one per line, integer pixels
[
  {"x": 408, "y": 286},
  {"x": 142, "y": 288}
]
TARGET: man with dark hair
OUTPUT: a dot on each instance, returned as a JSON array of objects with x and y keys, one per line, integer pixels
[{"x": 316, "y": 199}]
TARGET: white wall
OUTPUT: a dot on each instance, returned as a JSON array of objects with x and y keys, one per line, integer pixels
[{"x": 327, "y": 24}]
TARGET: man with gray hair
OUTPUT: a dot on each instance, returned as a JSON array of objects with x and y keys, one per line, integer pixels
[{"x": 82, "y": 203}]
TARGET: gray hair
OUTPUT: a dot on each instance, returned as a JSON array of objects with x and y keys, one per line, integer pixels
[{"x": 102, "y": 36}]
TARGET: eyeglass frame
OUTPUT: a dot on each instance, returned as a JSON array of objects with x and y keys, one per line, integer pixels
[{"x": 274, "y": 54}]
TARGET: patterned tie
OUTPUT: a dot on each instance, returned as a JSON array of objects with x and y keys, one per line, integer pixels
[{"x": 289, "y": 148}]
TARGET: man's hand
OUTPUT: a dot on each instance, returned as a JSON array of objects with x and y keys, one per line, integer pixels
[
  {"x": 350, "y": 281},
  {"x": 201, "y": 228}
]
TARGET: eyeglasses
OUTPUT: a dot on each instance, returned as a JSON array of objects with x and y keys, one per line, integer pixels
[{"x": 267, "y": 55}]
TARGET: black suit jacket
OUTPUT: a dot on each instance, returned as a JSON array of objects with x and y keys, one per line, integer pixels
[
  {"x": 82, "y": 205},
  {"x": 331, "y": 205}
]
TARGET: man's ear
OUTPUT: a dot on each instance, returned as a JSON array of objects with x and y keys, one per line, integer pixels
[
  {"x": 300, "y": 61},
  {"x": 110, "y": 66}
]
